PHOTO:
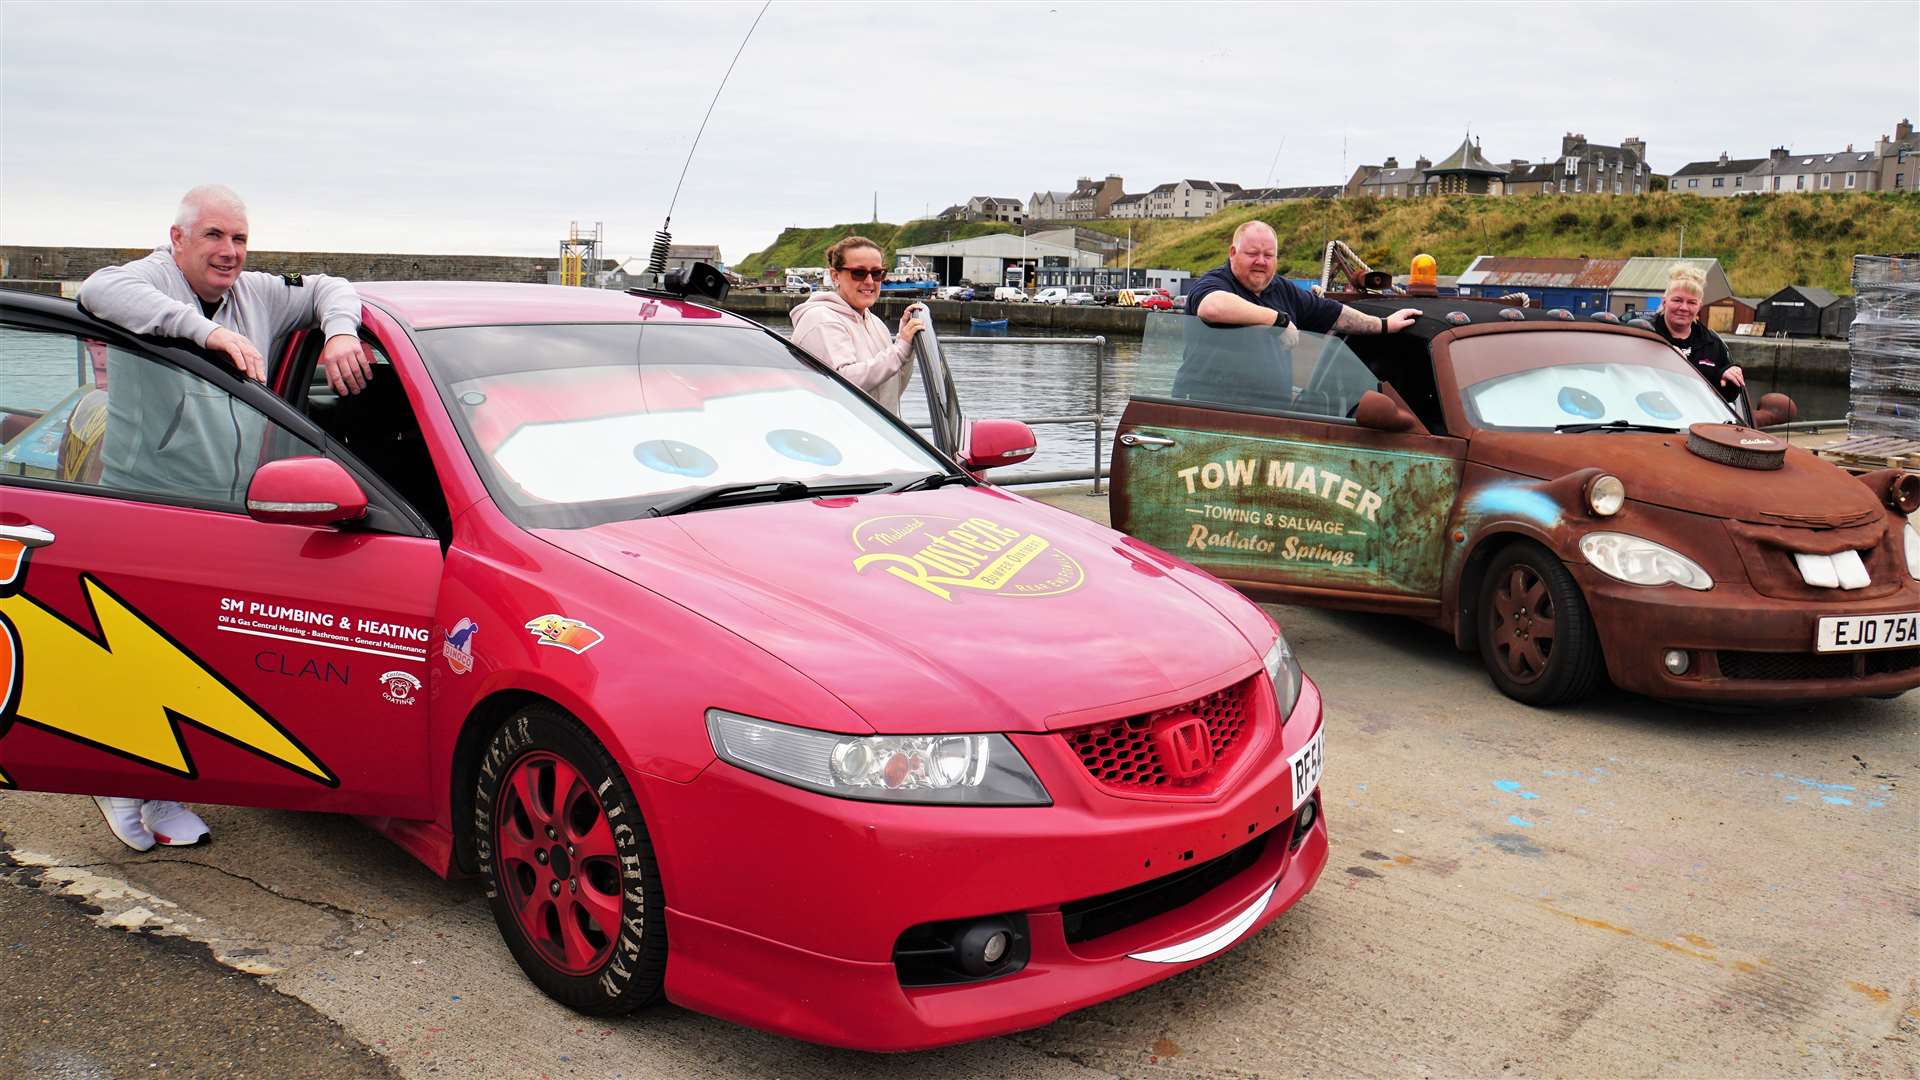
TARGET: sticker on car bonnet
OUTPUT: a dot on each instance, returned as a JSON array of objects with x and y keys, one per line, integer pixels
[{"x": 947, "y": 556}]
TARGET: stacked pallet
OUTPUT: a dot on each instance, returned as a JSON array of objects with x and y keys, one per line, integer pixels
[
  {"x": 1884, "y": 339},
  {"x": 1872, "y": 452}
]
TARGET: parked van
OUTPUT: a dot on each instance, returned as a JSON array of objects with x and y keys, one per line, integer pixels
[{"x": 1009, "y": 294}]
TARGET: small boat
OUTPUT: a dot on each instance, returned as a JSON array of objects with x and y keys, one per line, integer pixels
[{"x": 988, "y": 324}]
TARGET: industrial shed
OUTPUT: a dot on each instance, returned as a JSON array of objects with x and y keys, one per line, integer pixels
[
  {"x": 1578, "y": 285},
  {"x": 1796, "y": 311}
]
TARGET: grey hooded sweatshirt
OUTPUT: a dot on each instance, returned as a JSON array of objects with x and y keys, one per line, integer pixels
[{"x": 167, "y": 432}]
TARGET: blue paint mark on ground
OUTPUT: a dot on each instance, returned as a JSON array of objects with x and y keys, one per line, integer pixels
[
  {"x": 1521, "y": 822},
  {"x": 1817, "y": 785},
  {"x": 1875, "y": 804},
  {"x": 1512, "y": 787},
  {"x": 1791, "y": 798},
  {"x": 1837, "y": 800}
]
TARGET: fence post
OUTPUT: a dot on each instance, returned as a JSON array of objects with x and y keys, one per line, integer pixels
[{"x": 1099, "y": 402}]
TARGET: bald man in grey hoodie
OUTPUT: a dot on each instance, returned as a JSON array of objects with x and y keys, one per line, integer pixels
[{"x": 165, "y": 433}]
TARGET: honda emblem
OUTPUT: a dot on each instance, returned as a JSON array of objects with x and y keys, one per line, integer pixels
[{"x": 1186, "y": 748}]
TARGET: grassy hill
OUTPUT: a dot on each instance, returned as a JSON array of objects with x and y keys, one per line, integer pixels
[
  {"x": 1765, "y": 242},
  {"x": 808, "y": 247}
]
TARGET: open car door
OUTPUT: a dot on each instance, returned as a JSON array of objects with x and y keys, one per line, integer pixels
[{"x": 1271, "y": 459}]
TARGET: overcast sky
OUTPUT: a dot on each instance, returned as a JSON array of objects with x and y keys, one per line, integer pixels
[{"x": 487, "y": 129}]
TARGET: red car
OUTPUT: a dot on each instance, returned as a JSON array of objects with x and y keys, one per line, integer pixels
[
  {"x": 1153, "y": 299},
  {"x": 729, "y": 686}
]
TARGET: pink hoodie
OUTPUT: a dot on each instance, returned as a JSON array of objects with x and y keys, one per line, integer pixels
[{"x": 856, "y": 345}]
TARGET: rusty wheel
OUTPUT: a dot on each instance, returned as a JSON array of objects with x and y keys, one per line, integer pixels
[{"x": 1536, "y": 637}]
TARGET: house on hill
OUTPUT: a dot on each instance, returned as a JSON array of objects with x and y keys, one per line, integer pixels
[
  {"x": 1722, "y": 178},
  {"x": 1464, "y": 172}
]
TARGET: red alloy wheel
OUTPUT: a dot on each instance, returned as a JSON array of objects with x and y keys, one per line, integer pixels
[
  {"x": 560, "y": 872},
  {"x": 1521, "y": 622}
]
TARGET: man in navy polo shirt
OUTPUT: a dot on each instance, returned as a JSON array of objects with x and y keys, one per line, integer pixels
[{"x": 1232, "y": 368}]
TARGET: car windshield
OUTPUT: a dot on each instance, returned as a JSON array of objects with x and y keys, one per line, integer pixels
[
  {"x": 575, "y": 425},
  {"x": 1550, "y": 380},
  {"x": 1258, "y": 368}
]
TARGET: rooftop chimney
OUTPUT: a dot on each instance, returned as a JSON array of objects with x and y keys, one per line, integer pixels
[
  {"x": 1904, "y": 130},
  {"x": 1423, "y": 163},
  {"x": 1391, "y": 163},
  {"x": 1778, "y": 153},
  {"x": 1723, "y": 157}
]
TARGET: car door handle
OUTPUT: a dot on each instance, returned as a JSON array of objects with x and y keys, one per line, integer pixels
[
  {"x": 1148, "y": 442},
  {"x": 32, "y": 536}
]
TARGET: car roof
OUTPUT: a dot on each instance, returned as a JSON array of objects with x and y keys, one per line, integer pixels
[
  {"x": 428, "y": 305},
  {"x": 1479, "y": 311}
]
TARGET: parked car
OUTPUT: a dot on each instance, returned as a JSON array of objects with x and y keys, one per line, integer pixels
[
  {"x": 1081, "y": 297},
  {"x": 1154, "y": 299},
  {"x": 731, "y": 688},
  {"x": 1105, "y": 294},
  {"x": 953, "y": 292},
  {"x": 1052, "y": 295},
  {"x": 1010, "y": 294},
  {"x": 1568, "y": 498}
]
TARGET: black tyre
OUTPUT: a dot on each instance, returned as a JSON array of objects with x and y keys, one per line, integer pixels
[
  {"x": 569, "y": 868},
  {"x": 1536, "y": 636}
]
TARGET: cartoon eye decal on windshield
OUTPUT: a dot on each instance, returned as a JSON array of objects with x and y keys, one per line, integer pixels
[
  {"x": 674, "y": 456},
  {"x": 804, "y": 446},
  {"x": 1577, "y": 402},
  {"x": 1657, "y": 405}
]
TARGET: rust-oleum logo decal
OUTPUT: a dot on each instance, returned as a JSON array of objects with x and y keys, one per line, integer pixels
[{"x": 946, "y": 556}]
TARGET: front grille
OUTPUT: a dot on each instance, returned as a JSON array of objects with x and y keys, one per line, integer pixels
[
  {"x": 1123, "y": 754},
  {"x": 1085, "y": 920},
  {"x": 1788, "y": 667}
]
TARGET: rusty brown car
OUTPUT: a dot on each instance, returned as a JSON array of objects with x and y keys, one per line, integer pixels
[{"x": 1569, "y": 498}]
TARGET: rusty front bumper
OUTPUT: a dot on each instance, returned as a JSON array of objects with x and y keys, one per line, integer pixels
[{"x": 1741, "y": 646}]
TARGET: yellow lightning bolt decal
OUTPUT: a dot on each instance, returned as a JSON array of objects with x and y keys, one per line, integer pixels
[{"x": 124, "y": 692}]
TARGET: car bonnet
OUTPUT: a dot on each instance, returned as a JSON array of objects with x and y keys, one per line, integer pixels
[
  {"x": 957, "y": 609},
  {"x": 1659, "y": 469}
]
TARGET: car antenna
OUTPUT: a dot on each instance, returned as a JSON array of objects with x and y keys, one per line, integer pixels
[{"x": 663, "y": 239}]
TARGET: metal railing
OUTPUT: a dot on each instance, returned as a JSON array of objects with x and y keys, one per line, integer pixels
[{"x": 1097, "y": 345}]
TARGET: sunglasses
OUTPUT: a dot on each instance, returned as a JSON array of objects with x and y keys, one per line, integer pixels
[{"x": 862, "y": 273}]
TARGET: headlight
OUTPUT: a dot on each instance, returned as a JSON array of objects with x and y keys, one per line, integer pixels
[
  {"x": 1913, "y": 552},
  {"x": 1284, "y": 670},
  {"x": 1641, "y": 562},
  {"x": 1606, "y": 495},
  {"x": 945, "y": 770}
]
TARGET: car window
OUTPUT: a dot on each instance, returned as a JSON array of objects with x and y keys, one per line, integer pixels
[
  {"x": 1260, "y": 368},
  {"x": 1540, "y": 380},
  {"x": 128, "y": 424},
  {"x": 573, "y": 425},
  {"x": 378, "y": 426}
]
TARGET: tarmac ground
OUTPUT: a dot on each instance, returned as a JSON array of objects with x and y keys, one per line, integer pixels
[{"x": 1624, "y": 888}]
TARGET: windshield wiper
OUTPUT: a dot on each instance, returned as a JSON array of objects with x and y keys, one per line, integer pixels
[
  {"x": 767, "y": 491},
  {"x": 932, "y": 480},
  {"x": 1613, "y": 425}
]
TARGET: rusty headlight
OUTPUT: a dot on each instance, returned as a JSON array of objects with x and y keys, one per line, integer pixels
[{"x": 1606, "y": 495}]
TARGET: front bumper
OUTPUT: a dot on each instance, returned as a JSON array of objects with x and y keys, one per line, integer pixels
[
  {"x": 1744, "y": 647},
  {"x": 783, "y": 906}
]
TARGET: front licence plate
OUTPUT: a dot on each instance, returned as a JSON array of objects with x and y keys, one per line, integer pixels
[
  {"x": 1852, "y": 633},
  {"x": 1306, "y": 764}
]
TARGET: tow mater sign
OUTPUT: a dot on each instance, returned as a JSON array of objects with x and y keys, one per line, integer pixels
[{"x": 1320, "y": 510}]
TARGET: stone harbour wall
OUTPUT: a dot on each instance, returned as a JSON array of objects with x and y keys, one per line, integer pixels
[{"x": 28, "y": 263}]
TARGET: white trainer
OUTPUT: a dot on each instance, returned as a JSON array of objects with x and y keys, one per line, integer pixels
[
  {"x": 123, "y": 817},
  {"x": 173, "y": 825}
]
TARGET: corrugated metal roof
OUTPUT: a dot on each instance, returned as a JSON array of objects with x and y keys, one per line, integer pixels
[
  {"x": 1522, "y": 271},
  {"x": 1649, "y": 274}
]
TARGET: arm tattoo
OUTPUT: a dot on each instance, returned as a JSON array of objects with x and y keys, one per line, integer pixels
[{"x": 1357, "y": 322}]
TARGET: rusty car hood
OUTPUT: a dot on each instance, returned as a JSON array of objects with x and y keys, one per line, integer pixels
[{"x": 1804, "y": 492}]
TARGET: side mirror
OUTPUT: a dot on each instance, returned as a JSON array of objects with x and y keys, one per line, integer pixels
[
  {"x": 1379, "y": 412},
  {"x": 993, "y": 443},
  {"x": 304, "y": 491},
  {"x": 1774, "y": 409}
]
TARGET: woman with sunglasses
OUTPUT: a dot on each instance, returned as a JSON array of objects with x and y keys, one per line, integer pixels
[{"x": 839, "y": 328}]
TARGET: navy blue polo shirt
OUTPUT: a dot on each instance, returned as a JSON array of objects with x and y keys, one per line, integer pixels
[{"x": 1314, "y": 314}]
